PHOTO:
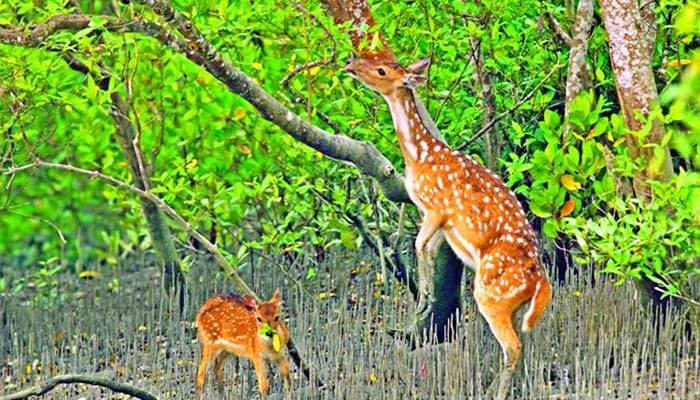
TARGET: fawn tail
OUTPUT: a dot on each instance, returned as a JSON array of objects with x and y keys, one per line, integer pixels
[{"x": 539, "y": 302}]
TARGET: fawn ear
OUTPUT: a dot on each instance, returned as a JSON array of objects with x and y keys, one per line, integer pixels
[
  {"x": 419, "y": 66},
  {"x": 277, "y": 297},
  {"x": 250, "y": 303},
  {"x": 412, "y": 81}
]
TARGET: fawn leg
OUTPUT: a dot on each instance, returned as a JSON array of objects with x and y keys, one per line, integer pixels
[
  {"x": 284, "y": 371},
  {"x": 261, "y": 372},
  {"x": 207, "y": 354},
  {"x": 219, "y": 372}
]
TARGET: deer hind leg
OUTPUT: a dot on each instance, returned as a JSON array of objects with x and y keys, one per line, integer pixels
[
  {"x": 427, "y": 244},
  {"x": 208, "y": 353},
  {"x": 500, "y": 321},
  {"x": 219, "y": 372},
  {"x": 501, "y": 324}
]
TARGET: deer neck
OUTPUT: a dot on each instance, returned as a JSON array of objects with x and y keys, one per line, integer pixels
[{"x": 416, "y": 138}]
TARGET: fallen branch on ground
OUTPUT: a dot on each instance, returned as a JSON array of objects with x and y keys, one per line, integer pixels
[{"x": 51, "y": 383}]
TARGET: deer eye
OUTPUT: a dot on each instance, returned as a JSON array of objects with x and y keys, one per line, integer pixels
[
  {"x": 277, "y": 318},
  {"x": 381, "y": 71},
  {"x": 259, "y": 319}
]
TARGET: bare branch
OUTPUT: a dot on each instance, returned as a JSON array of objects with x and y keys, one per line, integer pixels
[
  {"x": 184, "y": 225},
  {"x": 558, "y": 30},
  {"x": 517, "y": 105},
  {"x": 51, "y": 383}
]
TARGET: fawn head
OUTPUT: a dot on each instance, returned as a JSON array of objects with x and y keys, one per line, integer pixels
[
  {"x": 386, "y": 77},
  {"x": 267, "y": 315}
]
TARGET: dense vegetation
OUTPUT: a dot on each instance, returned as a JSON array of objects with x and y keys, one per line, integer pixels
[{"x": 614, "y": 191}]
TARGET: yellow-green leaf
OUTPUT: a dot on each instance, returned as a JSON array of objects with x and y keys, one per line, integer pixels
[
  {"x": 314, "y": 70},
  {"x": 677, "y": 63},
  {"x": 373, "y": 378},
  {"x": 276, "y": 342},
  {"x": 239, "y": 114},
  {"x": 191, "y": 164},
  {"x": 89, "y": 274},
  {"x": 568, "y": 182}
]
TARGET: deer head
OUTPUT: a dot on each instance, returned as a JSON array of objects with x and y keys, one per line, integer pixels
[
  {"x": 267, "y": 314},
  {"x": 386, "y": 77}
]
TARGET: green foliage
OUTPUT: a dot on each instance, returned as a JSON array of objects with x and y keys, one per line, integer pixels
[{"x": 235, "y": 176}]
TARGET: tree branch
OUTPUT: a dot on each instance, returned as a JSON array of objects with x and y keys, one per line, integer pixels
[
  {"x": 51, "y": 383},
  {"x": 363, "y": 155},
  {"x": 517, "y": 105},
  {"x": 578, "y": 78},
  {"x": 557, "y": 28}
]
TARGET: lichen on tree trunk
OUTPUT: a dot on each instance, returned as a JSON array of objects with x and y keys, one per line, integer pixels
[{"x": 631, "y": 42}]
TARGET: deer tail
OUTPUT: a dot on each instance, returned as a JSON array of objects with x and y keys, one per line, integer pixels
[{"x": 539, "y": 302}]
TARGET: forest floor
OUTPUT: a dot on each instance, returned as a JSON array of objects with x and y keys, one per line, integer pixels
[{"x": 593, "y": 343}]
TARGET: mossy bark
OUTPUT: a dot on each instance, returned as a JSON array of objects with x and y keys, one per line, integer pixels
[{"x": 439, "y": 324}]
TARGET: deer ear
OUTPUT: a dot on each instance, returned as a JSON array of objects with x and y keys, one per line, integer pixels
[
  {"x": 250, "y": 303},
  {"x": 413, "y": 80},
  {"x": 277, "y": 297},
  {"x": 419, "y": 66}
]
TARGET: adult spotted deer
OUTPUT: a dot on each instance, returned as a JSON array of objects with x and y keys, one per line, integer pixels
[
  {"x": 231, "y": 324},
  {"x": 464, "y": 203}
]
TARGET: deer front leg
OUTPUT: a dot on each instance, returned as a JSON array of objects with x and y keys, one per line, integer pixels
[
  {"x": 261, "y": 372},
  {"x": 427, "y": 243},
  {"x": 284, "y": 371}
]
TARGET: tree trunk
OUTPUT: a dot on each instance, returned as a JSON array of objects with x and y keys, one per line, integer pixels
[
  {"x": 440, "y": 323},
  {"x": 631, "y": 61},
  {"x": 578, "y": 78},
  {"x": 631, "y": 49},
  {"x": 157, "y": 225}
]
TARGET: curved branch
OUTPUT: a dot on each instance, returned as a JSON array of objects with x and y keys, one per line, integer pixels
[
  {"x": 363, "y": 155},
  {"x": 169, "y": 211},
  {"x": 51, "y": 383}
]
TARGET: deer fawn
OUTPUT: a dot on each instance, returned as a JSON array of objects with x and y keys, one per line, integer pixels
[
  {"x": 231, "y": 324},
  {"x": 463, "y": 202}
]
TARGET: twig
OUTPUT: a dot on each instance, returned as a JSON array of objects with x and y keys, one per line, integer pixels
[
  {"x": 51, "y": 383},
  {"x": 299, "y": 98},
  {"x": 397, "y": 267},
  {"x": 522, "y": 101},
  {"x": 55, "y": 227},
  {"x": 184, "y": 225},
  {"x": 296, "y": 96},
  {"x": 455, "y": 83},
  {"x": 556, "y": 27}
]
